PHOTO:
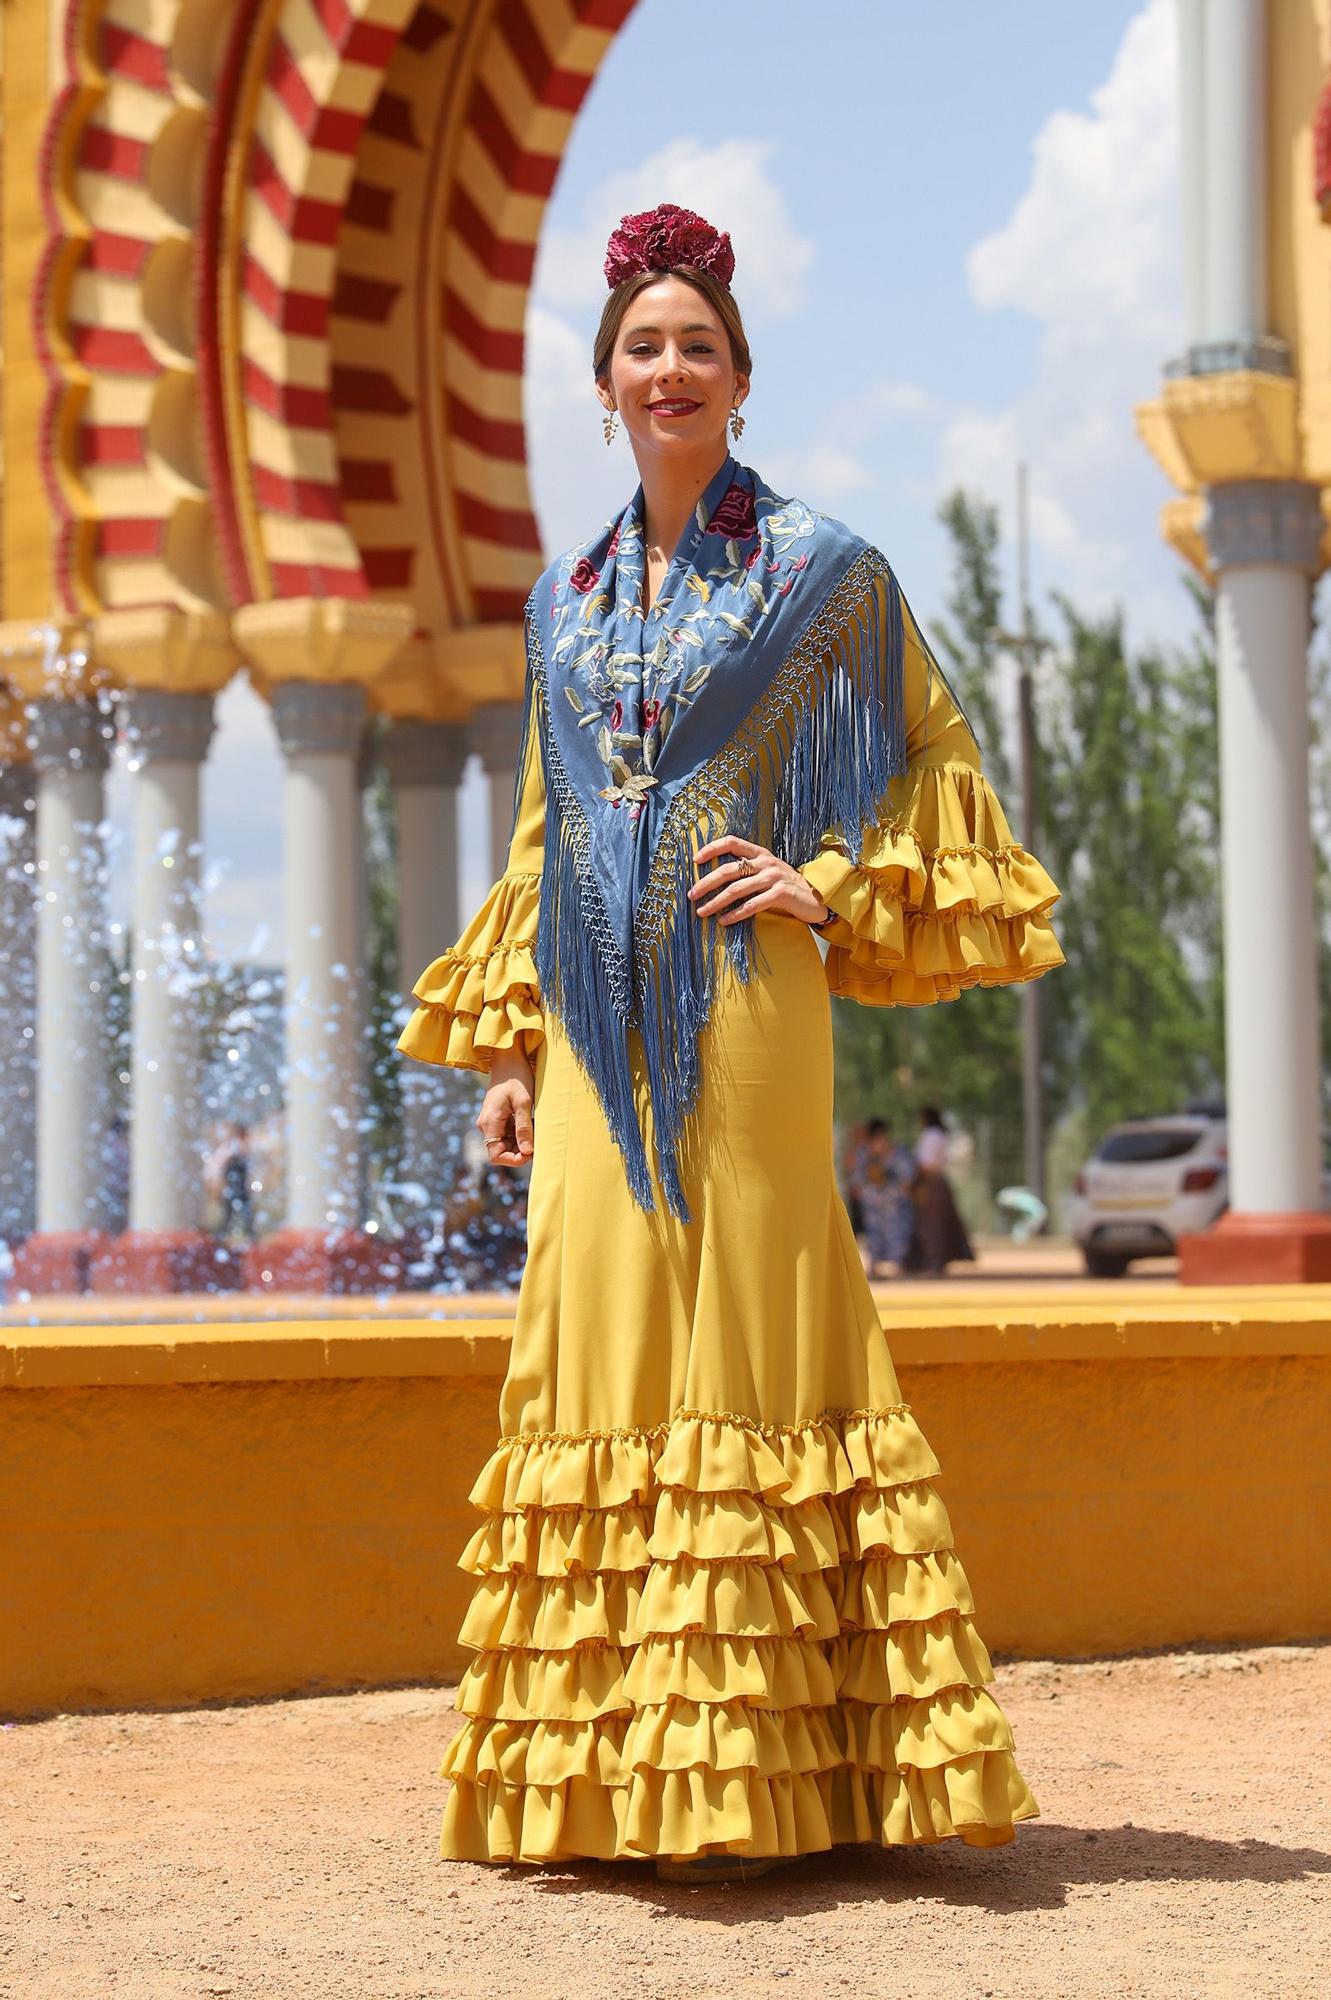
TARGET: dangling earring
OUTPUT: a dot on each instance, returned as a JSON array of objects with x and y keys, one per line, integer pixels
[
  {"x": 736, "y": 424},
  {"x": 610, "y": 424}
]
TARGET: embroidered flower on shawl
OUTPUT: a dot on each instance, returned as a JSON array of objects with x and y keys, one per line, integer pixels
[
  {"x": 628, "y": 695},
  {"x": 736, "y": 514},
  {"x": 730, "y": 666}
]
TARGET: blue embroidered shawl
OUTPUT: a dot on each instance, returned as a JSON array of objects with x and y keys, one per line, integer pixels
[{"x": 761, "y": 695}]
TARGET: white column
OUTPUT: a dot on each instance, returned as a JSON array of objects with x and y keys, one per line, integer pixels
[
  {"x": 70, "y": 750},
  {"x": 1234, "y": 152},
  {"x": 360, "y": 961},
  {"x": 494, "y": 733},
  {"x": 426, "y": 761},
  {"x": 1190, "y": 20},
  {"x": 1263, "y": 537},
  {"x": 18, "y": 1002},
  {"x": 168, "y": 741},
  {"x": 319, "y": 727}
]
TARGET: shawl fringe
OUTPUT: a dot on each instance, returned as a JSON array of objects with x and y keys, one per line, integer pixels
[{"x": 815, "y": 753}]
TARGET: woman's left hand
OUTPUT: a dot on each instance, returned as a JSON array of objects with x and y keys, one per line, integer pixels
[{"x": 729, "y": 896}]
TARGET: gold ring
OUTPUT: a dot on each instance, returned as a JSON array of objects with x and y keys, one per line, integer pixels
[{"x": 746, "y": 867}]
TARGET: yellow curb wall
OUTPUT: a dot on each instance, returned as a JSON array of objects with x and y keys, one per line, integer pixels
[{"x": 197, "y": 1512}]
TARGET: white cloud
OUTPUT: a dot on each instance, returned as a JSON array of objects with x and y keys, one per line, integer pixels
[
  {"x": 1092, "y": 240},
  {"x": 1092, "y": 252},
  {"x": 729, "y": 183}
]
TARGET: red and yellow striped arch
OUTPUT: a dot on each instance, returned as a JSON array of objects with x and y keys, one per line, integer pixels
[{"x": 283, "y": 301}]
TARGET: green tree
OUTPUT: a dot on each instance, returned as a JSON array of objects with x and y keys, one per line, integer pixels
[
  {"x": 1128, "y": 789},
  {"x": 967, "y": 1052},
  {"x": 1127, "y": 782},
  {"x": 966, "y": 636}
]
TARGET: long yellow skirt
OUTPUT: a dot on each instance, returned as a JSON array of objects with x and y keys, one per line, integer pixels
[{"x": 717, "y": 1606}]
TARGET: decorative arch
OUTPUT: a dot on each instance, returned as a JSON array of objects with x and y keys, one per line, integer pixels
[
  {"x": 389, "y": 252},
  {"x": 125, "y": 479},
  {"x": 283, "y": 301}
]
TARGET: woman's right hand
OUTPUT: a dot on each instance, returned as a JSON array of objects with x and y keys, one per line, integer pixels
[{"x": 505, "y": 1116}]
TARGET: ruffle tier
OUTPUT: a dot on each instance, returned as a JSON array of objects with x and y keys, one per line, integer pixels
[
  {"x": 482, "y": 995},
  {"x": 715, "y": 1635},
  {"x": 942, "y": 898}
]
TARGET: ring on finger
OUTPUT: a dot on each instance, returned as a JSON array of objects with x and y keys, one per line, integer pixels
[{"x": 745, "y": 866}]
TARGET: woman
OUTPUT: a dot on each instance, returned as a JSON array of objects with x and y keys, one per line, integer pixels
[
  {"x": 887, "y": 1200},
  {"x": 940, "y": 1233},
  {"x": 716, "y": 1611}
]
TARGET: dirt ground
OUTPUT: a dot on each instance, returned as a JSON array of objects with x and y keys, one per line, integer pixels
[{"x": 286, "y": 1850}]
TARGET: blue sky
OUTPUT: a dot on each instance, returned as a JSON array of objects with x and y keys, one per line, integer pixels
[{"x": 956, "y": 244}]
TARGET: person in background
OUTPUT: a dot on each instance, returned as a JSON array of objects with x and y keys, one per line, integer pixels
[
  {"x": 116, "y": 1180},
  {"x": 484, "y": 1228},
  {"x": 236, "y": 1198},
  {"x": 940, "y": 1233},
  {"x": 886, "y": 1202},
  {"x": 854, "y": 1154}
]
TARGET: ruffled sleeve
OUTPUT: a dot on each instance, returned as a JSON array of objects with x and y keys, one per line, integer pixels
[
  {"x": 942, "y": 896},
  {"x": 483, "y": 994}
]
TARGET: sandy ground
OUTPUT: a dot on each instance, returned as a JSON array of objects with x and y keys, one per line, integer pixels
[{"x": 286, "y": 1850}]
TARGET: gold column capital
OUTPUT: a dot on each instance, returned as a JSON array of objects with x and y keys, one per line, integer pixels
[
  {"x": 1205, "y": 430},
  {"x": 51, "y": 659},
  {"x": 14, "y": 745},
  {"x": 156, "y": 646},
  {"x": 339, "y": 640},
  {"x": 445, "y": 676}
]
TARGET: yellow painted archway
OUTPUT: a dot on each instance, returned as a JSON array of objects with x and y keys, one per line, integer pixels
[{"x": 280, "y": 308}]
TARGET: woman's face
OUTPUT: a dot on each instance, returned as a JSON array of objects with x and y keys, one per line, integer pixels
[{"x": 672, "y": 377}]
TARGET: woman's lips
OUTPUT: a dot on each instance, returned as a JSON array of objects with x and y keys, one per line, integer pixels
[{"x": 673, "y": 409}]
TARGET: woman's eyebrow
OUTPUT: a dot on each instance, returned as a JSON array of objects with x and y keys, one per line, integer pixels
[{"x": 697, "y": 328}]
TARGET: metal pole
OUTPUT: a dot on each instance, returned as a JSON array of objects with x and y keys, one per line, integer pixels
[{"x": 1032, "y": 1077}]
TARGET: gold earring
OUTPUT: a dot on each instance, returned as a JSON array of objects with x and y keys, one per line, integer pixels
[
  {"x": 736, "y": 424},
  {"x": 610, "y": 424}
]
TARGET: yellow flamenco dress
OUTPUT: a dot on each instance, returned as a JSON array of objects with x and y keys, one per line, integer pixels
[{"x": 717, "y": 1606}]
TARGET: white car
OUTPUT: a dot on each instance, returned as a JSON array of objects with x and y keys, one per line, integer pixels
[{"x": 1147, "y": 1183}]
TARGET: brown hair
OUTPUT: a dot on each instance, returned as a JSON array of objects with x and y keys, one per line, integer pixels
[{"x": 623, "y": 295}]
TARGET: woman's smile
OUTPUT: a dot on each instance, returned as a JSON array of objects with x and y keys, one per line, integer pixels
[{"x": 673, "y": 406}]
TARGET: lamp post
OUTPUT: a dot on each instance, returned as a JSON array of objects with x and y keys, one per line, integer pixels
[{"x": 1027, "y": 646}]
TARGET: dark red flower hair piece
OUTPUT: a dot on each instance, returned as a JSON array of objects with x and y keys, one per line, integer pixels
[{"x": 662, "y": 238}]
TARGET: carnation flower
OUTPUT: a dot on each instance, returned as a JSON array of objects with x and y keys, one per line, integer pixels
[{"x": 662, "y": 238}]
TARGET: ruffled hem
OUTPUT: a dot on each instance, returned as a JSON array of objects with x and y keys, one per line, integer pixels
[
  {"x": 717, "y": 1634},
  {"x": 484, "y": 994},
  {"x": 704, "y": 1451},
  {"x": 977, "y": 1798},
  {"x": 942, "y": 898}
]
